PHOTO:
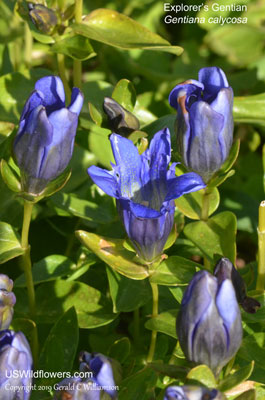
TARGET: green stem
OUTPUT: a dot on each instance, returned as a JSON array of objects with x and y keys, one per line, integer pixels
[
  {"x": 204, "y": 217},
  {"x": 28, "y": 45},
  {"x": 78, "y": 63},
  {"x": 261, "y": 251},
  {"x": 136, "y": 325},
  {"x": 27, "y": 267},
  {"x": 61, "y": 69},
  {"x": 154, "y": 314}
]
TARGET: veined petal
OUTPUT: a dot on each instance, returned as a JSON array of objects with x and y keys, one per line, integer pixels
[
  {"x": 226, "y": 303},
  {"x": 160, "y": 153},
  {"x": 186, "y": 183},
  {"x": 142, "y": 211},
  {"x": 53, "y": 92},
  {"x": 64, "y": 124},
  {"x": 77, "y": 99},
  {"x": 189, "y": 91},
  {"x": 129, "y": 161},
  {"x": 213, "y": 79},
  {"x": 105, "y": 180},
  {"x": 35, "y": 99}
]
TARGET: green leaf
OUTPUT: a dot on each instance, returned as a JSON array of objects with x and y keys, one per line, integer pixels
[
  {"x": 57, "y": 184},
  {"x": 27, "y": 326},
  {"x": 250, "y": 109},
  {"x": 124, "y": 93},
  {"x": 164, "y": 323},
  {"x": 81, "y": 208},
  {"x": 236, "y": 378},
  {"x": 92, "y": 307},
  {"x": 120, "y": 349},
  {"x": 215, "y": 236},
  {"x": 10, "y": 177},
  {"x": 172, "y": 371},
  {"x": 113, "y": 253},
  {"x": 60, "y": 347},
  {"x": 174, "y": 270},
  {"x": 10, "y": 246},
  {"x": 137, "y": 386},
  {"x": 75, "y": 46},
  {"x": 48, "y": 269},
  {"x": 203, "y": 375},
  {"x": 100, "y": 145},
  {"x": 118, "y": 30},
  {"x": 252, "y": 348},
  {"x": 191, "y": 204},
  {"x": 127, "y": 294},
  {"x": 248, "y": 395},
  {"x": 6, "y": 128}
]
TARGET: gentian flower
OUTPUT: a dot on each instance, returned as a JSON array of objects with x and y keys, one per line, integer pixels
[
  {"x": 204, "y": 121},
  {"x": 192, "y": 393},
  {"x": 44, "y": 143},
  {"x": 145, "y": 190},
  {"x": 15, "y": 366},
  {"x": 89, "y": 388},
  {"x": 7, "y": 301},
  {"x": 209, "y": 322}
]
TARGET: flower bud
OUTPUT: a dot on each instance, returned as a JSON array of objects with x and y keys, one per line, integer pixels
[
  {"x": 44, "y": 18},
  {"x": 204, "y": 121},
  {"x": 121, "y": 121},
  {"x": 7, "y": 301},
  {"x": 44, "y": 143},
  {"x": 15, "y": 366},
  {"x": 225, "y": 269},
  {"x": 192, "y": 393},
  {"x": 209, "y": 323}
]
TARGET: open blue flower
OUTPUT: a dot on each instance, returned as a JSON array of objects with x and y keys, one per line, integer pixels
[
  {"x": 145, "y": 190},
  {"x": 44, "y": 143},
  {"x": 204, "y": 121}
]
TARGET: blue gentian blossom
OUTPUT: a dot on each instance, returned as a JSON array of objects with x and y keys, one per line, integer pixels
[
  {"x": 204, "y": 121},
  {"x": 145, "y": 189},
  {"x": 44, "y": 143},
  {"x": 15, "y": 366},
  {"x": 7, "y": 301},
  {"x": 192, "y": 393},
  {"x": 209, "y": 323}
]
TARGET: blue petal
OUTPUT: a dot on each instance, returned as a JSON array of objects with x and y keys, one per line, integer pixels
[
  {"x": 105, "y": 180},
  {"x": 213, "y": 79},
  {"x": 53, "y": 92},
  {"x": 141, "y": 211},
  {"x": 102, "y": 373},
  {"x": 59, "y": 152},
  {"x": 34, "y": 100},
  {"x": 184, "y": 184},
  {"x": 227, "y": 304},
  {"x": 77, "y": 99},
  {"x": 129, "y": 161},
  {"x": 189, "y": 90}
]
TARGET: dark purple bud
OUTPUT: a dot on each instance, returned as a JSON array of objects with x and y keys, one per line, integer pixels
[
  {"x": 209, "y": 323},
  {"x": 121, "y": 121},
  {"x": 44, "y": 143},
  {"x": 204, "y": 121}
]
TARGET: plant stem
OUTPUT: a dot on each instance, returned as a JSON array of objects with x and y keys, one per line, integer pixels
[
  {"x": 61, "y": 69},
  {"x": 28, "y": 45},
  {"x": 154, "y": 314},
  {"x": 78, "y": 63},
  {"x": 204, "y": 217},
  {"x": 27, "y": 267},
  {"x": 261, "y": 251}
]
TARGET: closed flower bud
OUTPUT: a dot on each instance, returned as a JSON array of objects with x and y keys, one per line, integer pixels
[
  {"x": 204, "y": 121},
  {"x": 225, "y": 269},
  {"x": 192, "y": 393},
  {"x": 15, "y": 366},
  {"x": 121, "y": 121},
  {"x": 145, "y": 189},
  {"x": 44, "y": 18},
  {"x": 44, "y": 143},
  {"x": 209, "y": 323},
  {"x": 7, "y": 301}
]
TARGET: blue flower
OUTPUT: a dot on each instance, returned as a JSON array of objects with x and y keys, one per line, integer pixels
[
  {"x": 7, "y": 301},
  {"x": 204, "y": 121},
  {"x": 15, "y": 366},
  {"x": 209, "y": 322},
  {"x": 192, "y": 393},
  {"x": 44, "y": 143},
  {"x": 145, "y": 190}
]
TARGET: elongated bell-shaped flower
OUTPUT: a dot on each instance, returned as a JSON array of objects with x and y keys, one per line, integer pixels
[
  {"x": 7, "y": 301},
  {"x": 145, "y": 189},
  {"x": 209, "y": 323},
  {"x": 15, "y": 366},
  {"x": 44, "y": 143},
  {"x": 192, "y": 393},
  {"x": 204, "y": 121}
]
